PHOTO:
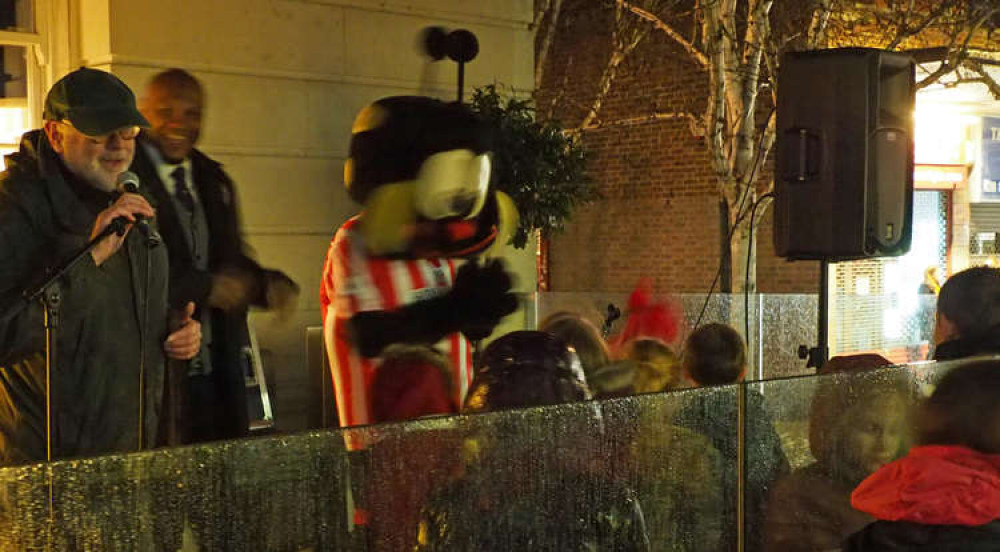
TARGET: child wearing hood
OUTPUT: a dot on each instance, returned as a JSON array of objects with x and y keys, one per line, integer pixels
[
  {"x": 945, "y": 494},
  {"x": 715, "y": 354},
  {"x": 857, "y": 424}
]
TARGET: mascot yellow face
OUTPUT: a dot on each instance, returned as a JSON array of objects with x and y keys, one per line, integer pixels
[{"x": 421, "y": 168}]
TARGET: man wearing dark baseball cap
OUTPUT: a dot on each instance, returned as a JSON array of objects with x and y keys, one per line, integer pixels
[
  {"x": 57, "y": 193},
  {"x": 95, "y": 102},
  {"x": 93, "y": 105}
]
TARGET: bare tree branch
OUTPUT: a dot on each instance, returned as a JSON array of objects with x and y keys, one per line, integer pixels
[
  {"x": 604, "y": 85},
  {"x": 641, "y": 120},
  {"x": 984, "y": 78},
  {"x": 553, "y": 7},
  {"x": 695, "y": 27},
  {"x": 816, "y": 35},
  {"x": 958, "y": 54},
  {"x": 660, "y": 25},
  {"x": 732, "y": 63},
  {"x": 561, "y": 89},
  {"x": 624, "y": 38},
  {"x": 905, "y": 31},
  {"x": 541, "y": 8}
]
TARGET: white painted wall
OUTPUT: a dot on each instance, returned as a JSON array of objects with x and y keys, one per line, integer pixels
[{"x": 284, "y": 79}]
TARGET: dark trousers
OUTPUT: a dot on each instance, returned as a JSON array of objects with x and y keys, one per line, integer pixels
[{"x": 206, "y": 415}]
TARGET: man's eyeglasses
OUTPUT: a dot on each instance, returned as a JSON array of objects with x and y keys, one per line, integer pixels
[{"x": 126, "y": 133}]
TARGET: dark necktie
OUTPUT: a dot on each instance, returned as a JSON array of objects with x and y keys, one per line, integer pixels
[
  {"x": 183, "y": 194},
  {"x": 196, "y": 365},
  {"x": 181, "y": 190}
]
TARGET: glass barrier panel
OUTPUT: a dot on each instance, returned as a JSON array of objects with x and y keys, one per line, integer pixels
[
  {"x": 591, "y": 305},
  {"x": 659, "y": 468},
  {"x": 396, "y": 469},
  {"x": 280, "y": 493},
  {"x": 796, "y": 312},
  {"x": 598, "y": 475},
  {"x": 783, "y": 323},
  {"x": 683, "y": 465},
  {"x": 897, "y": 327}
]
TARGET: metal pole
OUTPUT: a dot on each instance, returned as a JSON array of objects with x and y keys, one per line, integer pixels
[
  {"x": 823, "y": 322},
  {"x": 50, "y": 299},
  {"x": 760, "y": 336},
  {"x": 741, "y": 465}
]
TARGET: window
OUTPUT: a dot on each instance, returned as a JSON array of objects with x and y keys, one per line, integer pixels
[
  {"x": 19, "y": 71},
  {"x": 14, "y": 115},
  {"x": 17, "y": 16}
]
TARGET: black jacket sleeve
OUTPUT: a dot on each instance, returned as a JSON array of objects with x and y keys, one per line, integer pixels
[{"x": 479, "y": 298}]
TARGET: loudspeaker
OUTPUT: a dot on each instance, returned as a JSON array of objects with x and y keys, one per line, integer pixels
[{"x": 844, "y": 166}]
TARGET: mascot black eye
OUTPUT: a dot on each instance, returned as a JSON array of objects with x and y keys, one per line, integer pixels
[{"x": 452, "y": 184}]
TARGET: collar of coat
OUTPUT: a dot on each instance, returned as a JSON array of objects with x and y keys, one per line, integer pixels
[
  {"x": 36, "y": 160},
  {"x": 986, "y": 343}
]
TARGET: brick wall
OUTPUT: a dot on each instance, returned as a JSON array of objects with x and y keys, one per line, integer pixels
[{"x": 659, "y": 216}]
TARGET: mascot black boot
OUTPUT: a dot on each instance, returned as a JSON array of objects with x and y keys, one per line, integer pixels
[{"x": 408, "y": 269}]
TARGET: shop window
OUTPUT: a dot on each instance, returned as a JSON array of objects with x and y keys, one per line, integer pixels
[
  {"x": 876, "y": 305},
  {"x": 984, "y": 223}
]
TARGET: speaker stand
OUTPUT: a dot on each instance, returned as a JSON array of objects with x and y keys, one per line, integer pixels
[{"x": 818, "y": 355}]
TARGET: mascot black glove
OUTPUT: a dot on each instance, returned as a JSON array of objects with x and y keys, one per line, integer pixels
[{"x": 480, "y": 297}]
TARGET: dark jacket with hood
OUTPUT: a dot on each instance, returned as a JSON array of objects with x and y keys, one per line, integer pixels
[
  {"x": 507, "y": 503},
  {"x": 938, "y": 497},
  {"x": 217, "y": 195},
  {"x": 540, "y": 481},
  {"x": 986, "y": 343},
  {"x": 108, "y": 372},
  {"x": 716, "y": 417}
]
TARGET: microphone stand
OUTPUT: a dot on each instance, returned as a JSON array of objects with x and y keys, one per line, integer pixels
[{"x": 49, "y": 293}]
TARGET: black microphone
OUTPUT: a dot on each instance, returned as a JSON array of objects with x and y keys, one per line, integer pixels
[{"x": 128, "y": 182}]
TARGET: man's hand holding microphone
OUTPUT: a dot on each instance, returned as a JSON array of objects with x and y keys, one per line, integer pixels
[
  {"x": 128, "y": 206},
  {"x": 129, "y": 210}
]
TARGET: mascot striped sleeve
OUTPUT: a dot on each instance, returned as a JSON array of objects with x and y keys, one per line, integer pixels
[{"x": 354, "y": 282}]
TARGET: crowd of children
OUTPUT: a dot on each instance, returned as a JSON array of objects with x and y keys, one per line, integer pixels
[{"x": 666, "y": 472}]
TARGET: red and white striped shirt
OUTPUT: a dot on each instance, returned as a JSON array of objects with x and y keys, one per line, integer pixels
[{"x": 354, "y": 282}]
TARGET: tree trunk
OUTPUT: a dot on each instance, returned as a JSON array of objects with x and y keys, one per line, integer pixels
[
  {"x": 740, "y": 251},
  {"x": 725, "y": 252}
]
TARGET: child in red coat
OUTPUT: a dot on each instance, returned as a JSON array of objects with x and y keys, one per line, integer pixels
[{"x": 945, "y": 494}]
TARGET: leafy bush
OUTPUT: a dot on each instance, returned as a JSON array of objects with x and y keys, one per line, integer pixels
[{"x": 542, "y": 169}]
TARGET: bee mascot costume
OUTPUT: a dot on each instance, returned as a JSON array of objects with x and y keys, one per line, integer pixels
[{"x": 405, "y": 270}]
